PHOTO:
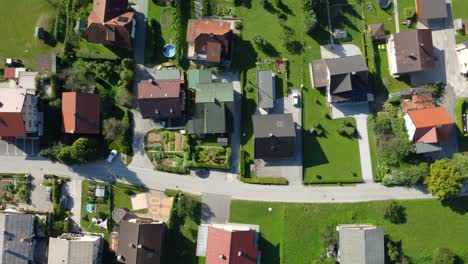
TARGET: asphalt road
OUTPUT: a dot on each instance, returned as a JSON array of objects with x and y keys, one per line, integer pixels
[{"x": 214, "y": 182}]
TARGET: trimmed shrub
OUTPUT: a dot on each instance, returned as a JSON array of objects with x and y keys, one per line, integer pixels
[
  {"x": 394, "y": 213},
  {"x": 266, "y": 181}
]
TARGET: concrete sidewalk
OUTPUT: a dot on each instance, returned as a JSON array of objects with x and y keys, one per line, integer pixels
[{"x": 364, "y": 148}]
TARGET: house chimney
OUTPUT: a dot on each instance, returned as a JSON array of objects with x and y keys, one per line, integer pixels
[
  {"x": 171, "y": 111},
  {"x": 72, "y": 131},
  {"x": 239, "y": 253},
  {"x": 271, "y": 134},
  {"x": 165, "y": 94},
  {"x": 74, "y": 113},
  {"x": 156, "y": 111},
  {"x": 131, "y": 245},
  {"x": 140, "y": 246},
  {"x": 221, "y": 256}
]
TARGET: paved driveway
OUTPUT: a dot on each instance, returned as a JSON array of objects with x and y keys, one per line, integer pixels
[
  {"x": 215, "y": 208},
  {"x": 19, "y": 147},
  {"x": 290, "y": 169}
]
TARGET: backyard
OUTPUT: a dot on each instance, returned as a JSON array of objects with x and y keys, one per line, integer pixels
[
  {"x": 406, "y": 7},
  {"x": 101, "y": 206},
  {"x": 18, "y": 20},
  {"x": 288, "y": 229}
]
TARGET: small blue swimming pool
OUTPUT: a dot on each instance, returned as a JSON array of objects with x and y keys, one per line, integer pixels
[
  {"x": 89, "y": 208},
  {"x": 169, "y": 50}
]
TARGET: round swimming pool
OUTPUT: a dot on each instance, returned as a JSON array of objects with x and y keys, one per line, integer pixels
[
  {"x": 169, "y": 50},
  {"x": 89, "y": 208}
]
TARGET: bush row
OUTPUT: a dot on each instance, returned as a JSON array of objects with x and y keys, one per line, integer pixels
[
  {"x": 225, "y": 166},
  {"x": 266, "y": 181},
  {"x": 178, "y": 169}
]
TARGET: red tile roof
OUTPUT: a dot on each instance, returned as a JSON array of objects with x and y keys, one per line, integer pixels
[
  {"x": 9, "y": 73},
  {"x": 199, "y": 26},
  {"x": 12, "y": 125},
  {"x": 159, "y": 89},
  {"x": 80, "y": 113},
  {"x": 226, "y": 247},
  {"x": 429, "y": 117}
]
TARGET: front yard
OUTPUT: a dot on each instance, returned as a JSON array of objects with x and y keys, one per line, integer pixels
[
  {"x": 288, "y": 228},
  {"x": 15, "y": 188},
  {"x": 101, "y": 206},
  {"x": 329, "y": 157}
]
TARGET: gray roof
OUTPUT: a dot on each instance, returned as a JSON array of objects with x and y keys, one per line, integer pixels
[
  {"x": 168, "y": 74},
  {"x": 209, "y": 118},
  {"x": 277, "y": 125},
  {"x": 100, "y": 191},
  {"x": 16, "y": 240},
  {"x": 344, "y": 65},
  {"x": 429, "y": 9},
  {"x": 266, "y": 88},
  {"x": 362, "y": 244},
  {"x": 319, "y": 73},
  {"x": 426, "y": 148},
  {"x": 74, "y": 251}
]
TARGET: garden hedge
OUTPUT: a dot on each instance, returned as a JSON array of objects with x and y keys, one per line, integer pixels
[
  {"x": 178, "y": 170},
  {"x": 460, "y": 108},
  {"x": 266, "y": 181}
]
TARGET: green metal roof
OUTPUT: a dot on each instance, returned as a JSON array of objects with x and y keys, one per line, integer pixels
[
  {"x": 212, "y": 92},
  {"x": 198, "y": 76},
  {"x": 209, "y": 118}
]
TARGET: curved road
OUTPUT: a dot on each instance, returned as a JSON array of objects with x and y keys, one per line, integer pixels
[{"x": 215, "y": 182}]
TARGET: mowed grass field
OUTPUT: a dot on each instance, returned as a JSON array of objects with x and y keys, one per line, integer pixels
[
  {"x": 18, "y": 20},
  {"x": 291, "y": 233}
]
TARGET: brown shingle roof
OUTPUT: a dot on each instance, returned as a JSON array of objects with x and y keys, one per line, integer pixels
[
  {"x": 429, "y": 9},
  {"x": 159, "y": 89},
  {"x": 377, "y": 30},
  {"x": 161, "y": 99},
  {"x": 197, "y": 27},
  {"x": 80, "y": 113},
  {"x": 414, "y": 50}
]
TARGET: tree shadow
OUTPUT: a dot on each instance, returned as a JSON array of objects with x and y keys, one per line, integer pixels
[
  {"x": 269, "y": 50},
  {"x": 244, "y": 3},
  {"x": 458, "y": 204},
  {"x": 284, "y": 8},
  {"x": 313, "y": 154},
  {"x": 246, "y": 56}
]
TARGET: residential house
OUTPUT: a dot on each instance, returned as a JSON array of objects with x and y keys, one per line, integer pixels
[
  {"x": 462, "y": 53},
  {"x": 377, "y": 31},
  {"x": 197, "y": 76},
  {"x": 80, "y": 113},
  {"x": 47, "y": 63},
  {"x": 162, "y": 98},
  {"x": 17, "y": 239},
  {"x": 27, "y": 80},
  {"x": 209, "y": 40},
  {"x": 431, "y": 9},
  {"x": 266, "y": 89},
  {"x": 429, "y": 128},
  {"x": 231, "y": 244},
  {"x": 346, "y": 78},
  {"x": 275, "y": 136},
  {"x": 214, "y": 107},
  {"x": 111, "y": 23},
  {"x": 363, "y": 244},
  {"x": 410, "y": 51},
  {"x": 75, "y": 249},
  {"x": 140, "y": 241},
  {"x": 18, "y": 113}
]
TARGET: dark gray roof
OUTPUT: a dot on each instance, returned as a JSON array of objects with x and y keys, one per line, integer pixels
[
  {"x": 429, "y": 9},
  {"x": 17, "y": 238},
  {"x": 277, "y": 125},
  {"x": 344, "y": 65},
  {"x": 140, "y": 243},
  {"x": 362, "y": 244},
  {"x": 266, "y": 88},
  {"x": 414, "y": 50}
]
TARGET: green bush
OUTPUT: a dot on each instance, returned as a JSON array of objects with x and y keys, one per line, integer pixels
[
  {"x": 266, "y": 181},
  {"x": 178, "y": 169},
  {"x": 394, "y": 213},
  {"x": 443, "y": 256},
  {"x": 242, "y": 163},
  {"x": 310, "y": 21},
  {"x": 171, "y": 192}
]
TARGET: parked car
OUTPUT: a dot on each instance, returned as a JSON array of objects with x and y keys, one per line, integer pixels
[
  {"x": 112, "y": 155},
  {"x": 295, "y": 100}
]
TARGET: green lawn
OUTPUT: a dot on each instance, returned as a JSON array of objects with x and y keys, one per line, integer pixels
[
  {"x": 330, "y": 158},
  {"x": 373, "y": 146},
  {"x": 379, "y": 15},
  {"x": 121, "y": 195},
  {"x": 18, "y": 20},
  {"x": 292, "y": 228},
  {"x": 100, "y": 209},
  {"x": 402, "y": 5},
  {"x": 348, "y": 15},
  {"x": 459, "y": 9},
  {"x": 166, "y": 33}
]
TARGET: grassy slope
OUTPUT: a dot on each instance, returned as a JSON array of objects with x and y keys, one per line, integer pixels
[
  {"x": 292, "y": 228},
  {"x": 18, "y": 20},
  {"x": 333, "y": 157}
]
